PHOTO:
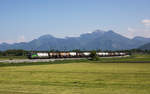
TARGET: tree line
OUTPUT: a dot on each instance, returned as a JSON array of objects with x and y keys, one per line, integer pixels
[{"x": 14, "y": 52}]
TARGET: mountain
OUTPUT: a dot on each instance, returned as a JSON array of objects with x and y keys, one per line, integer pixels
[
  {"x": 145, "y": 46},
  {"x": 105, "y": 40}
]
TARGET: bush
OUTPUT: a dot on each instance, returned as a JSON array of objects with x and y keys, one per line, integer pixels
[{"x": 94, "y": 56}]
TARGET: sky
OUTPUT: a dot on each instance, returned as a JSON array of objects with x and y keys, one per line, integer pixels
[{"x": 25, "y": 20}]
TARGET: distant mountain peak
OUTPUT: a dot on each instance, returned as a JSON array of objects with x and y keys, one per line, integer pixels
[
  {"x": 110, "y": 31},
  {"x": 102, "y": 32},
  {"x": 98, "y": 30},
  {"x": 94, "y": 33},
  {"x": 47, "y": 36}
]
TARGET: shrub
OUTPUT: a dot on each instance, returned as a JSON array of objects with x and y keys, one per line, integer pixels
[{"x": 94, "y": 56}]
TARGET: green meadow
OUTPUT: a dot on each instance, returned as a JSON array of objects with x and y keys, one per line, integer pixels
[
  {"x": 76, "y": 78},
  {"x": 12, "y": 57}
]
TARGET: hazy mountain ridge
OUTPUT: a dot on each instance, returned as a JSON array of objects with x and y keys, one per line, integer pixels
[{"x": 96, "y": 40}]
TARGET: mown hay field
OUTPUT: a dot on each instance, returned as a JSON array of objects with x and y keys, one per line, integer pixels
[{"x": 76, "y": 78}]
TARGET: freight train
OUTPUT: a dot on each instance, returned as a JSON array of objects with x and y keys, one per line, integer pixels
[{"x": 48, "y": 55}]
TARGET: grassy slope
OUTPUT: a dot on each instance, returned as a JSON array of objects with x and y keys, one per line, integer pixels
[{"x": 73, "y": 78}]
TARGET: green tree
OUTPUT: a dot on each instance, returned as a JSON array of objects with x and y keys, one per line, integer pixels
[{"x": 94, "y": 56}]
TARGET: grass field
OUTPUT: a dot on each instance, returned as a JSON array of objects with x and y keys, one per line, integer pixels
[
  {"x": 76, "y": 78},
  {"x": 12, "y": 57}
]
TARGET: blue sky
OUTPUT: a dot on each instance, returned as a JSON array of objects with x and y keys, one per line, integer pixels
[{"x": 24, "y": 20}]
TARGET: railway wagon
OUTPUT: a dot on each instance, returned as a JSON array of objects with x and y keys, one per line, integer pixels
[
  {"x": 43, "y": 55},
  {"x": 103, "y": 54},
  {"x": 63, "y": 54},
  {"x": 99, "y": 53},
  {"x": 80, "y": 55},
  {"x": 54, "y": 55},
  {"x": 72, "y": 54},
  {"x": 86, "y": 54},
  {"x": 122, "y": 54}
]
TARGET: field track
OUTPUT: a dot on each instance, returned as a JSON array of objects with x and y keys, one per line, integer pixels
[{"x": 35, "y": 60}]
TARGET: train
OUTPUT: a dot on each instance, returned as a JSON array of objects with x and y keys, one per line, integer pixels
[{"x": 49, "y": 55}]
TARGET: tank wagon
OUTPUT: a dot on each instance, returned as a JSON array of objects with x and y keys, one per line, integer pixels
[{"x": 48, "y": 55}]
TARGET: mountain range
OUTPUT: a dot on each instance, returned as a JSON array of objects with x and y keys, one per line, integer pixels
[{"x": 104, "y": 40}]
